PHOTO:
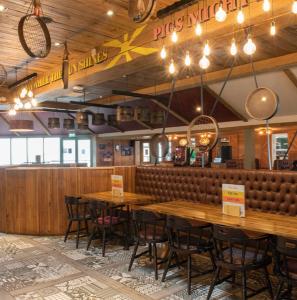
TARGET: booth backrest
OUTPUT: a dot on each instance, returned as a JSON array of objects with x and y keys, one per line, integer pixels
[{"x": 268, "y": 191}]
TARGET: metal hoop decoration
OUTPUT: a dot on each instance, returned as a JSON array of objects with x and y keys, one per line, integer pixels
[
  {"x": 208, "y": 130},
  {"x": 155, "y": 141},
  {"x": 148, "y": 9}
]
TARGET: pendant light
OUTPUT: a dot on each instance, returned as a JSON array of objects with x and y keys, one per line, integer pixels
[
  {"x": 221, "y": 15},
  {"x": 12, "y": 112},
  {"x": 174, "y": 36},
  {"x": 206, "y": 50},
  {"x": 266, "y": 5},
  {"x": 233, "y": 48},
  {"x": 294, "y": 7},
  {"x": 272, "y": 28},
  {"x": 68, "y": 124},
  {"x": 53, "y": 123},
  {"x": 187, "y": 59},
  {"x": 171, "y": 67},
  {"x": 198, "y": 29},
  {"x": 249, "y": 47},
  {"x": 204, "y": 62},
  {"x": 240, "y": 17},
  {"x": 163, "y": 53},
  {"x": 28, "y": 105}
]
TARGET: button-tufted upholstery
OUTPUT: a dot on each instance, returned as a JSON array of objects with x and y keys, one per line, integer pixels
[{"x": 268, "y": 191}]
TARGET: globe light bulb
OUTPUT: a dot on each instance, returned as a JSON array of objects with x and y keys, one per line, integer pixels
[
  {"x": 221, "y": 15},
  {"x": 272, "y": 28},
  {"x": 23, "y": 93},
  {"x": 204, "y": 62},
  {"x": 12, "y": 112},
  {"x": 28, "y": 105},
  {"x": 34, "y": 102},
  {"x": 21, "y": 105},
  {"x": 206, "y": 50},
  {"x": 172, "y": 67},
  {"x": 187, "y": 59},
  {"x": 240, "y": 17},
  {"x": 250, "y": 47},
  {"x": 16, "y": 106},
  {"x": 266, "y": 5},
  {"x": 30, "y": 94},
  {"x": 17, "y": 100},
  {"x": 233, "y": 48},
  {"x": 174, "y": 37},
  {"x": 198, "y": 29},
  {"x": 294, "y": 7},
  {"x": 163, "y": 53}
]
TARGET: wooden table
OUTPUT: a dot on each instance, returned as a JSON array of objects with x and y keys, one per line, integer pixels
[
  {"x": 254, "y": 221},
  {"x": 128, "y": 199}
]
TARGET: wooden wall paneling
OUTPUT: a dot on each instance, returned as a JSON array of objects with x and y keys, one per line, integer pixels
[
  {"x": 2, "y": 200},
  {"x": 92, "y": 180},
  {"x": 128, "y": 173},
  {"x": 121, "y": 160},
  {"x": 293, "y": 150}
]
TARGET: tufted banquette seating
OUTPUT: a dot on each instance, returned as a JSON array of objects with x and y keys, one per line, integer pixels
[{"x": 267, "y": 191}]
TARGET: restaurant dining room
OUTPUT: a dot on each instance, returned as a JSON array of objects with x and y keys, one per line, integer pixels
[{"x": 148, "y": 149}]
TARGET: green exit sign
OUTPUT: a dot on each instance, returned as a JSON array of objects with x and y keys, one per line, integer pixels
[{"x": 72, "y": 135}]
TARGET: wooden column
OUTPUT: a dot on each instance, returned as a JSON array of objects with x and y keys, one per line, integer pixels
[{"x": 249, "y": 148}]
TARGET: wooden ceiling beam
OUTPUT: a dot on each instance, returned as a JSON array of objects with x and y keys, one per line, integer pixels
[
  {"x": 144, "y": 124},
  {"x": 46, "y": 130},
  {"x": 7, "y": 123},
  {"x": 291, "y": 76},
  {"x": 226, "y": 104}
]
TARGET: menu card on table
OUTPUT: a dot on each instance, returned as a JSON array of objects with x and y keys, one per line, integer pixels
[
  {"x": 234, "y": 200},
  {"x": 117, "y": 186}
]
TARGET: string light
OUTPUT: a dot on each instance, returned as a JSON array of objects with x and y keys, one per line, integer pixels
[
  {"x": 198, "y": 29},
  {"x": 30, "y": 94},
  {"x": 171, "y": 67},
  {"x": 34, "y": 102},
  {"x": 163, "y": 53},
  {"x": 206, "y": 50},
  {"x": 294, "y": 7},
  {"x": 240, "y": 17},
  {"x": 12, "y": 112},
  {"x": 233, "y": 48},
  {"x": 174, "y": 37},
  {"x": 23, "y": 93},
  {"x": 28, "y": 105},
  {"x": 272, "y": 28},
  {"x": 266, "y": 5},
  {"x": 249, "y": 47},
  {"x": 221, "y": 15},
  {"x": 204, "y": 62},
  {"x": 187, "y": 59}
]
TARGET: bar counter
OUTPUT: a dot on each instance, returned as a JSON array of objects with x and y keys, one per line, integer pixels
[{"x": 32, "y": 199}]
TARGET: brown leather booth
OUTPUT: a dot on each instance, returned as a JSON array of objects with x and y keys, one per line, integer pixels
[{"x": 268, "y": 191}]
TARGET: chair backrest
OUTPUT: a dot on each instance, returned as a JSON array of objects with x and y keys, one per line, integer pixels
[
  {"x": 182, "y": 234},
  {"x": 285, "y": 249},
  {"x": 235, "y": 246},
  {"x": 73, "y": 207},
  {"x": 149, "y": 224}
]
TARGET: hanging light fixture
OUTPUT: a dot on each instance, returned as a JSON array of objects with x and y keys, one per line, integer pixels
[
  {"x": 187, "y": 59},
  {"x": 163, "y": 53},
  {"x": 266, "y": 5},
  {"x": 240, "y": 17},
  {"x": 233, "y": 48},
  {"x": 174, "y": 36},
  {"x": 204, "y": 62},
  {"x": 221, "y": 15},
  {"x": 12, "y": 112},
  {"x": 272, "y": 28},
  {"x": 198, "y": 29},
  {"x": 53, "y": 123},
  {"x": 171, "y": 67},
  {"x": 34, "y": 102},
  {"x": 68, "y": 124},
  {"x": 294, "y": 7},
  {"x": 23, "y": 93},
  {"x": 249, "y": 47},
  {"x": 28, "y": 105},
  {"x": 206, "y": 50}
]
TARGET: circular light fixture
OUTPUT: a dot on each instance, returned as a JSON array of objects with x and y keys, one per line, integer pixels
[
  {"x": 240, "y": 17},
  {"x": 28, "y": 105},
  {"x": 198, "y": 108},
  {"x": 174, "y": 37},
  {"x": 250, "y": 47},
  {"x": 2, "y": 8},
  {"x": 204, "y": 62},
  {"x": 171, "y": 67},
  {"x": 187, "y": 59},
  {"x": 183, "y": 142},
  {"x": 198, "y": 29},
  {"x": 110, "y": 13},
  {"x": 163, "y": 53},
  {"x": 233, "y": 48},
  {"x": 221, "y": 15},
  {"x": 12, "y": 112}
]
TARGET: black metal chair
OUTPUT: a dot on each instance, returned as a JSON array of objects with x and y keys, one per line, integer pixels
[
  {"x": 185, "y": 239},
  {"x": 77, "y": 213},
  {"x": 149, "y": 229},
  {"x": 238, "y": 252},
  {"x": 106, "y": 219},
  {"x": 286, "y": 266}
]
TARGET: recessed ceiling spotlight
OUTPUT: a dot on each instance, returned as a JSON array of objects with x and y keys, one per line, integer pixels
[
  {"x": 100, "y": 97},
  {"x": 110, "y": 13},
  {"x": 57, "y": 44},
  {"x": 3, "y": 8}
]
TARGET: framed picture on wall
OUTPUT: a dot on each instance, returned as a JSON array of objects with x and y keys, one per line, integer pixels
[{"x": 126, "y": 151}]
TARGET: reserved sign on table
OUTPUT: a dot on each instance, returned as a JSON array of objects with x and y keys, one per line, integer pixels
[
  {"x": 234, "y": 200},
  {"x": 117, "y": 186}
]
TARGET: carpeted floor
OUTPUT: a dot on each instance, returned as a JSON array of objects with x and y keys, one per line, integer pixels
[{"x": 47, "y": 268}]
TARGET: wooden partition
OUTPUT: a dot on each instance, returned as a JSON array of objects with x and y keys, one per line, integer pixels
[{"x": 32, "y": 199}]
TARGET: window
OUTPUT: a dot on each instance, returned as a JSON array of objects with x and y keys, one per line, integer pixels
[
  {"x": 69, "y": 151},
  {"x": 52, "y": 150},
  {"x": 18, "y": 151},
  {"x": 4, "y": 152},
  {"x": 146, "y": 152},
  {"x": 84, "y": 152},
  {"x": 35, "y": 150},
  {"x": 279, "y": 145}
]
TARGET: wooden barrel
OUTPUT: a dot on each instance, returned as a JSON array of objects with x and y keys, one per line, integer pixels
[
  {"x": 53, "y": 123},
  {"x": 98, "y": 119},
  {"x": 142, "y": 114},
  {"x": 82, "y": 118},
  {"x": 157, "y": 117},
  {"x": 125, "y": 114}
]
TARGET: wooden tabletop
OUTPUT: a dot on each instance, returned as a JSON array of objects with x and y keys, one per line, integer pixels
[
  {"x": 254, "y": 221},
  {"x": 128, "y": 199}
]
